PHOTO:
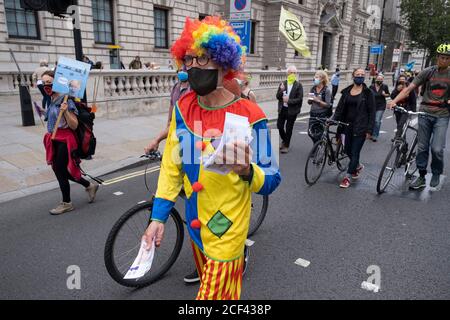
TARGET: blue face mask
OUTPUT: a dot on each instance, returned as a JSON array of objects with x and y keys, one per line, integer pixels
[
  {"x": 316, "y": 82},
  {"x": 182, "y": 76},
  {"x": 358, "y": 80}
]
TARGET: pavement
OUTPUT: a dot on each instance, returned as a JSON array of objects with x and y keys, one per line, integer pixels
[
  {"x": 348, "y": 236},
  {"x": 120, "y": 142}
]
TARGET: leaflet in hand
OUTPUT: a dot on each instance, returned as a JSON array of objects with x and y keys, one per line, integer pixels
[
  {"x": 142, "y": 263},
  {"x": 236, "y": 128}
]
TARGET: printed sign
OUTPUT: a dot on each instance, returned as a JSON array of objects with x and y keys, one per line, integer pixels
[
  {"x": 243, "y": 29},
  {"x": 240, "y": 9},
  {"x": 71, "y": 77}
]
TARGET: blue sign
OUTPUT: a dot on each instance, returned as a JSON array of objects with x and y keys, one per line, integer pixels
[
  {"x": 244, "y": 30},
  {"x": 240, "y": 4},
  {"x": 71, "y": 77},
  {"x": 378, "y": 49}
]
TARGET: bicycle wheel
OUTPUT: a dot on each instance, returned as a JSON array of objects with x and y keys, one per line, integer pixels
[
  {"x": 258, "y": 212},
  {"x": 411, "y": 167},
  {"x": 342, "y": 159},
  {"x": 317, "y": 158},
  {"x": 124, "y": 239},
  {"x": 390, "y": 164}
]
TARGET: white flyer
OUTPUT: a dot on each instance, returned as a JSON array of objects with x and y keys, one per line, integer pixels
[
  {"x": 235, "y": 128},
  {"x": 142, "y": 263}
]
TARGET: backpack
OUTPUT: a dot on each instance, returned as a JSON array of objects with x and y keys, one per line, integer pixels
[{"x": 84, "y": 132}]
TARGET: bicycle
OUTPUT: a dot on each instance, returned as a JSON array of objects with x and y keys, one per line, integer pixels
[
  {"x": 326, "y": 148},
  {"x": 400, "y": 154},
  {"x": 121, "y": 248}
]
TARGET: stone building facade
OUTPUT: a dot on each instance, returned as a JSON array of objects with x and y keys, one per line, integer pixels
[{"x": 337, "y": 32}]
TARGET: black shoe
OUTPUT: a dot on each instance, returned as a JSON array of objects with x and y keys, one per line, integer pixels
[
  {"x": 192, "y": 277},
  {"x": 419, "y": 183},
  {"x": 246, "y": 254},
  {"x": 434, "y": 181}
]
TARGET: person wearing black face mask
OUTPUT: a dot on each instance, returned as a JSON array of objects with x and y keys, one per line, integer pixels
[
  {"x": 381, "y": 92},
  {"x": 409, "y": 103},
  {"x": 357, "y": 108}
]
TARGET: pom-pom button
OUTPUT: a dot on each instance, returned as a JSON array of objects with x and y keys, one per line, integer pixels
[
  {"x": 197, "y": 186},
  {"x": 195, "y": 224}
]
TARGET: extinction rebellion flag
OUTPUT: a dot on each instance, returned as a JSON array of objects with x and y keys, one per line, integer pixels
[{"x": 292, "y": 29}]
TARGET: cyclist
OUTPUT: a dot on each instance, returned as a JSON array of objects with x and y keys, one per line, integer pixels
[
  {"x": 432, "y": 130},
  {"x": 357, "y": 108},
  {"x": 217, "y": 206},
  {"x": 320, "y": 101},
  {"x": 409, "y": 103},
  {"x": 178, "y": 90}
]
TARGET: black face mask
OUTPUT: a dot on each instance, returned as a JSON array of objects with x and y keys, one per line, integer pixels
[
  {"x": 379, "y": 82},
  {"x": 203, "y": 81}
]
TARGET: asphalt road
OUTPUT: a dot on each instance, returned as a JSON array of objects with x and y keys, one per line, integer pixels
[{"x": 340, "y": 232}]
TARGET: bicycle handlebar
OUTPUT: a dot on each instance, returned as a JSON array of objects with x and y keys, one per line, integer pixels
[
  {"x": 403, "y": 110},
  {"x": 152, "y": 155},
  {"x": 330, "y": 121}
]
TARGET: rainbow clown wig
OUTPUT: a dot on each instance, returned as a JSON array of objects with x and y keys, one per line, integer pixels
[{"x": 214, "y": 37}]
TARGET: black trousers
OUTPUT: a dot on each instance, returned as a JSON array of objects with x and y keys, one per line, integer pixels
[
  {"x": 353, "y": 147},
  {"x": 333, "y": 93},
  {"x": 285, "y": 125},
  {"x": 60, "y": 161}
]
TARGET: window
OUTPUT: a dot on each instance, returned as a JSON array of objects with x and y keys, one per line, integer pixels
[
  {"x": 103, "y": 21},
  {"x": 21, "y": 23},
  {"x": 253, "y": 38},
  {"x": 343, "y": 11},
  {"x": 361, "y": 54},
  {"x": 300, "y": 1},
  {"x": 202, "y": 16},
  {"x": 353, "y": 53},
  {"x": 340, "y": 47},
  {"x": 161, "y": 28}
]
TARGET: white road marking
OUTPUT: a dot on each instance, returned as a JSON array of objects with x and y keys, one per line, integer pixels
[
  {"x": 383, "y": 132},
  {"x": 143, "y": 201},
  {"x": 302, "y": 118},
  {"x": 369, "y": 286},
  {"x": 118, "y": 193},
  {"x": 413, "y": 122},
  {"x": 302, "y": 262},
  {"x": 249, "y": 242},
  {"x": 389, "y": 117},
  {"x": 130, "y": 175},
  {"x": 303, "y": 132}
]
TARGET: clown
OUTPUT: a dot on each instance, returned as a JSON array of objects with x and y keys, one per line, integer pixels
[{"x": 218, "y": 205}]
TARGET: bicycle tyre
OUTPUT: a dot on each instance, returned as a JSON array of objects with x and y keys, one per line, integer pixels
[
  {"x": 256, "y": 223},
  {"x": 341, "y": 155},
  {"x": 381, "y": 187},
  {"x": 312, "y": 156},
  {"x": 150, "y": 277}
]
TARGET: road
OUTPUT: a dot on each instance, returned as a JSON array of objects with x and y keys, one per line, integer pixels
[{"x": 340, "y": 232}]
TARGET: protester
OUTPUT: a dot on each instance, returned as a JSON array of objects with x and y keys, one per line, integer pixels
[
  {"x": 290, "y": 99},
  {"x": 246, "y": 92},
  {"x": 357, "y": 108},
  {"x": 87, "y": 60},
  {"x": 217, "y": 206},
  {"x": 320, "y": 101},
  {"x": 179, "y": 89},
  {"x": 335, "y": 84},
  {"x": 432, "y": 132},
  {"x": 136, "y": 63},
  {"x": 59, "y": 152},
  {"x": 381, "y": 92},
  {"x": 409, "y": 103},
  {"x": 36, "y": 77}
]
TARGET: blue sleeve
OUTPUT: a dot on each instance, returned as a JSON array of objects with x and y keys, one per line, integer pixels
[
  {"x": 161, "y": 209},
  {"x": 264, "y": 158}
]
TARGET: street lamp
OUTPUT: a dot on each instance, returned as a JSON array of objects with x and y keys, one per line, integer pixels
[{"x": 381, "y": 33}]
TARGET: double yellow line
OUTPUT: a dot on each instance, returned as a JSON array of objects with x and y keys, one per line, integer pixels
[{"x": 130, "y": 176}]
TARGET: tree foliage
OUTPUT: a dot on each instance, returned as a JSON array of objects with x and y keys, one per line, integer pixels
[{"x": 428, "y": 22}]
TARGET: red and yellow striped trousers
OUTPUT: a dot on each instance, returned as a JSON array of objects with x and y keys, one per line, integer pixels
[{"x": 219, "y": 280}]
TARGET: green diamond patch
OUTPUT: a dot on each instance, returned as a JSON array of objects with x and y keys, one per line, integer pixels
[{"x": 219, "y": 224}]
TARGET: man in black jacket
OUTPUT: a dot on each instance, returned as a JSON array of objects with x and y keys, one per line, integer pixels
[{"x": 290, "y": 98}]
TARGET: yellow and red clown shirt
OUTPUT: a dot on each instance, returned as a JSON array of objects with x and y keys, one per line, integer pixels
[{"x": 217, "y": 206}]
